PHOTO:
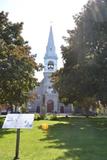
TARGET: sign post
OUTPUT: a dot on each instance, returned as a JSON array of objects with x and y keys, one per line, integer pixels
[
  {"x": 18, "y": 121},
  {"x": 17, "y": 144}
]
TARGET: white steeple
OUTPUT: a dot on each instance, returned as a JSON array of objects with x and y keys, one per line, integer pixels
[
  {"x": 50, "y": 49},
  {"x": 50, "y": 58}
]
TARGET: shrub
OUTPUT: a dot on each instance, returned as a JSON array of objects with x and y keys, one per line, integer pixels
[
  {"x": 43, "y": 116},
  {"x": 52, "y": 117},
  {"x": 37, "y": 116}
]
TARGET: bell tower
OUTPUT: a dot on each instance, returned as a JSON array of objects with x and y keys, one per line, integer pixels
[
  {"x": 50, "y": 66},
  {"x": 50, "y": 58}
]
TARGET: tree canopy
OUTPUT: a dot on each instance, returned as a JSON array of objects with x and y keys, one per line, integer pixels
[
  {"x": 85, "y": 56},
  {"x": 17, "y": 64}
]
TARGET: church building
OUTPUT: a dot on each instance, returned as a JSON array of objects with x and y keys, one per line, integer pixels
[{"x": 47, "y": 100}]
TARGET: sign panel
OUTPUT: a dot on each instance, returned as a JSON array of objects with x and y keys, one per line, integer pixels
[{"x": 18, "y": 121}]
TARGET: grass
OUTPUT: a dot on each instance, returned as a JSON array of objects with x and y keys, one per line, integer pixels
[{"x": 66, "y": 139}]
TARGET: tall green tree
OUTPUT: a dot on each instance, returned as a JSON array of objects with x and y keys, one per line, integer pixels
[
  {"x": 17, "y": 64},
  {"x": 84, "y": 55}
]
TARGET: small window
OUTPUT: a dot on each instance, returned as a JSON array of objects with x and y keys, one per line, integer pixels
[
  {"x": 49, "y": 87},
  {"x": 50, "y": 65}
]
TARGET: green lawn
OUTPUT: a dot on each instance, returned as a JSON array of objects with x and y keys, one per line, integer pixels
[{"x": 66, "y": 139}]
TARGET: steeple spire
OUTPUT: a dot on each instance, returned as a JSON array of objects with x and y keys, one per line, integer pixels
[{"x": 50, "y": 49}]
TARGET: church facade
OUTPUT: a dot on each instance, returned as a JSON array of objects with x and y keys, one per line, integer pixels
[{"x": 47, "y": 100}]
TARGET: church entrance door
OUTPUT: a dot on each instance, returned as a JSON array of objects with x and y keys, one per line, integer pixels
[
  {"x": 50, "y": 106},
  {"x": 62, "y": 109}
]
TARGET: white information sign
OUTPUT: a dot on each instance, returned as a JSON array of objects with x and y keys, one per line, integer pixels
[{"x": 18, "y": 121}]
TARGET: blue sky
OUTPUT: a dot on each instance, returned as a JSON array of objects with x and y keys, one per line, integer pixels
[{"x": 37, "y": 16}]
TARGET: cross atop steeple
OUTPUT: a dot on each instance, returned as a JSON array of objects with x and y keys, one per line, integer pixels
[{"x": 50, "y": 49}]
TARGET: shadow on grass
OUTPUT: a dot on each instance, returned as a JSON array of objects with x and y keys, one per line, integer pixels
[
  {"x": 4, "y": 131},
  {"x": 79, "y": 138}
]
